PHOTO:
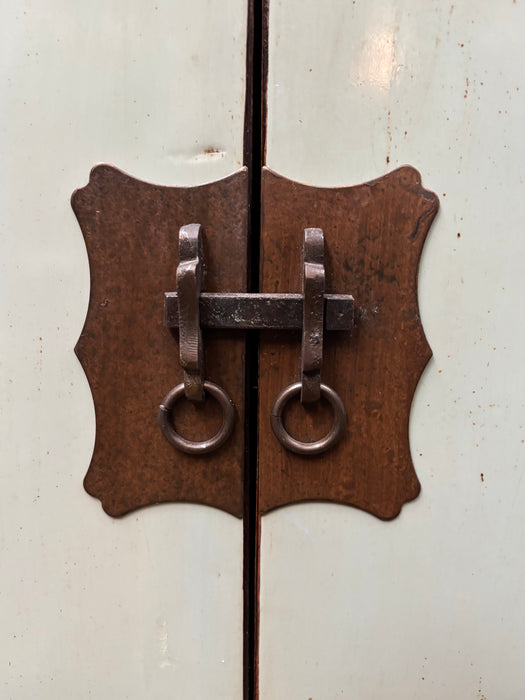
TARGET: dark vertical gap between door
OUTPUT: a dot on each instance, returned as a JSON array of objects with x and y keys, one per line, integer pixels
[{"x": 254, "y": 157}]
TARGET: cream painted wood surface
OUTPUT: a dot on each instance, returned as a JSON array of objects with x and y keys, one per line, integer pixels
[
  {"x": 149, "y": 606},
  {"x": 431, "y": 605}
]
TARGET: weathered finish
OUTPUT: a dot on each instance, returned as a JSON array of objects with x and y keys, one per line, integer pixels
[
  {"x": 316, "y": 447},
  {"x": 258, "y": 311},
  {"x": 131, "y": 359},
  {"x": 314, "y": 282},
  {"x": 374, "y": 234},
  {"x": 189, "y": 285},
  {"x": 167, "y": 417}
]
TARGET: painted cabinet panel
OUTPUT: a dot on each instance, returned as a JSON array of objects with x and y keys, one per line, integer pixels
[
  {"x": 150, "y": 605},
  {"x": 429, "y": 605},
  {"x": 425, "y": 606}
]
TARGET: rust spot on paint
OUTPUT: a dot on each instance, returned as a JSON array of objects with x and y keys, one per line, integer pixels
[
  {"x": 482, "y": 477},
  {"x": 389, "y": 134}
]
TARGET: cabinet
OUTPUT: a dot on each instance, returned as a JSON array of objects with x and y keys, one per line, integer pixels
[
  {"x": 148, "y": 606},
  {"x": 427, "y": 605}
]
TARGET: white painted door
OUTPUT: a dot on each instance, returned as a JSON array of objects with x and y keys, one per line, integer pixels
[
  {"x": 430, "y": 605},
  {"x": 148, "y": 606}
]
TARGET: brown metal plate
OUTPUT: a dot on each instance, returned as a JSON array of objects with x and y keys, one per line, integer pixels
[
  {"x": 374, "y": 234},
  {"x": 131, "y": 359}
]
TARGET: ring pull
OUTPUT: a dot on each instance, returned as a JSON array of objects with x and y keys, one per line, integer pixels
[
  {"x": 313, "y": 315},
  {"x": 308, "y": 448},
  {"x": 165, "y": 417},
  {"x": 310, "y": 387}
]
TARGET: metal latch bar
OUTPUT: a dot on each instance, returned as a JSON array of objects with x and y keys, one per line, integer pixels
[{"x": 261, "y": 311}]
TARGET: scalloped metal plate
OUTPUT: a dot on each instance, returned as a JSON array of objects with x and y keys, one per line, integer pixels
[
  {"x": 131, "y": 359},
  {"x": 374, "y": 235}
]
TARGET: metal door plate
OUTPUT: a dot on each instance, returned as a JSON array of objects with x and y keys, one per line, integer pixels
[
  {"x": 374, "y": 234},
  {"x": 131, "y": 359}
]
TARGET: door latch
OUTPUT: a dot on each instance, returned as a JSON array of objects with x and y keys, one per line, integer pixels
[
  {"x": 189, "y": 310},
  {"x": 355, "y": 450}
]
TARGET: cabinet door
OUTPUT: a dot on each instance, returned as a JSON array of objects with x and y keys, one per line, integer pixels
[
  {"x": 428, "y": 605},
  {"x": 150, "y": 605}
]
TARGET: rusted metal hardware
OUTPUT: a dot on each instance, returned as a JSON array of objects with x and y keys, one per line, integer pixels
[
  {"x": 375, "y": 233},
  {"x": 313, "y": 315},
  {"x": 126, "y": 352},
  {"x": 310, "y": 387},
  {"x": 189, "y": 283},
  {"x": 165, "y": 418},
  {"x": 189, "y": 310},
  {"x": 191, "y": 353},
  {"x": 318, "y": 446},
  {"x": 261, "y": 311}
]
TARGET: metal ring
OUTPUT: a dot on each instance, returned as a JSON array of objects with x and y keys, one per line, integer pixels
[
  {"x": 308, "y": 448},
  {"x": 189, "y": 446}
]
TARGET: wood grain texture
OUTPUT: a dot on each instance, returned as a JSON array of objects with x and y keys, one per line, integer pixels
[
  {"x": 374, "y": 234},
  {"x": 131, "y": 360}
]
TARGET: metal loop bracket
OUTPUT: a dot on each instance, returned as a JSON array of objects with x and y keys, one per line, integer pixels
[
  {"x": 165, "y": 419},
  {"x": 308, "y": 448},
  {"x": 313, "y": 314},
  {"x": 189, "y": 283}
]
